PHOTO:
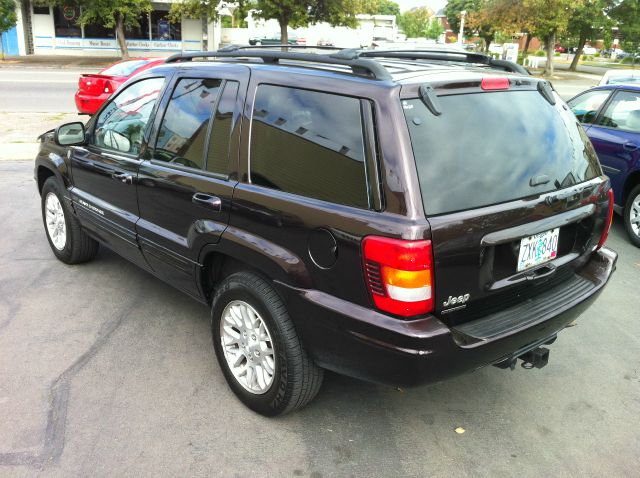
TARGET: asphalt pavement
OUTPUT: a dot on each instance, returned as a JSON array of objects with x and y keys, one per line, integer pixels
[
  {"x": 107, "y": 371},
  {"x": 38, "y": 90}
]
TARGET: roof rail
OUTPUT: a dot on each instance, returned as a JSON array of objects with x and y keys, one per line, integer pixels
[
  {"x": 360, "y": 66},
  {"x": 438, "y": 54}
]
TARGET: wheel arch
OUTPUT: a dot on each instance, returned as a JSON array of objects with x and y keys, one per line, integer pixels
[
  {"x": 633, "y": 179},
  {"x": 239, "y": 250},
  {"x": 51, "y": 165}
]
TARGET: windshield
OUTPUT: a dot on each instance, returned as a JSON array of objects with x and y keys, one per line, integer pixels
[
  {"x": 488, "y": 148},
  {"x": 124, "y": 68}
]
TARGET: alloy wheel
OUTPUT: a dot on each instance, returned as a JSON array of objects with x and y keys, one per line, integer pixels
[{"x": 247, "y": 346}]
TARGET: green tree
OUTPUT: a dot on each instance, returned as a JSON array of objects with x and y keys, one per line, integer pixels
[
  {"x": 415, "y": 22},
  {"x": 7, "y": 19},
  {"x": 550, "y": 18},
  {"x": 588, "y": 22},
  {"x": 478, "y": 21},
  {"x": 627, "y": 16},
  {"x": 385, "y": 7},
  {"x": 434, "y": 30}
]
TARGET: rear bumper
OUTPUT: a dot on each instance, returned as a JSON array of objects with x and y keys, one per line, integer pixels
[{"x": 363, "y": 343}]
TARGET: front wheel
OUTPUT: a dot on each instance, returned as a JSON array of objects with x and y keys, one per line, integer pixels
[
  {"x": 68, "y": 241},
  {"x": 258, "y": 349},
  {"x": 632, "y": 216}
]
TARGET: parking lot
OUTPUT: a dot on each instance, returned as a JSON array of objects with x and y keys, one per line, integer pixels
[{"x": 106, "y": 371}]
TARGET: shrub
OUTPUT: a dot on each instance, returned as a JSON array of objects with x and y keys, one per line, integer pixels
[
  {"x": 556, "y": 54},
  {"x": 628, "y": 60},
  {"x": 597, "y": 55},
  {"x": 540, "y": 53},
  {"x": 583, "y": 57}
]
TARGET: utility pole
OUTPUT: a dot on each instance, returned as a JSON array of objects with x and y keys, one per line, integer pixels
[{"x": 460, "y": 35}]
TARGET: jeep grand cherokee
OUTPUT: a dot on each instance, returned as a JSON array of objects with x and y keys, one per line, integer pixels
[{"x": 400, "y": 217}]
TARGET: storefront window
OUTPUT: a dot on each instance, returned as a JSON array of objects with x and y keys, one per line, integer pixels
[
  {"x": 65, "y": 20},
  {"x": 139, "y": 31},
  {"x": 162, "y": 29}
]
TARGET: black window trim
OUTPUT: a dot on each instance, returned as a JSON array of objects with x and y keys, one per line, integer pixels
[
  {"x": 369, "y": 144},
  {"x": 134, "y": 158}
]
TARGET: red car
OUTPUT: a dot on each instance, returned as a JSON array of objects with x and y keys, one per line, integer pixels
[{"x": 94, "y": 89}]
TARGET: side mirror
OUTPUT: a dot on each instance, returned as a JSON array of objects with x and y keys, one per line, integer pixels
[{"x": 69, "y": 134}]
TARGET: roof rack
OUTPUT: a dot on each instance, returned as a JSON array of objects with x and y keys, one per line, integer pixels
[
  {"x": 360, "y": 66},
  {"x": 361, "y": 62}
]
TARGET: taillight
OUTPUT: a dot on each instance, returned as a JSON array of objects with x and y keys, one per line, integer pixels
[
  {"x": 607, "y": 227},
  {"x": 494, "y": 84},
  {"x": 399, "y": 274},
  {"x": 107, "y": 87}
]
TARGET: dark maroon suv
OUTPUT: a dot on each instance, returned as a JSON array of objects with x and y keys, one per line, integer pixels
[{"x": 396, "y": 216}]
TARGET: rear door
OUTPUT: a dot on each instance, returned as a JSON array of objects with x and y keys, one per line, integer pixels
[
  {"x": 616, "y": 137},
  {"x": 187, "y": 182},
  {"x": 509, "y": 185},
  {"x": 105, "y": 170}
]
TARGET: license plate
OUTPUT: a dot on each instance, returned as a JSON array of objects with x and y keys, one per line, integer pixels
[{"x": 538, "y": 248}]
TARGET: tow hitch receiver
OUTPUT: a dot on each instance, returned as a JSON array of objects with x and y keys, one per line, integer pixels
[{"x": 536, "y": 358}]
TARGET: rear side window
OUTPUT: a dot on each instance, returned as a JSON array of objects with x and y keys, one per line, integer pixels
[
  {"x": 183, "y": 133},
  {"x": 309, "y": 143},
  {"x": 220, "y": 141},
  {"x": 623, "y": 112},
  {"x": 488, "y": 148}
]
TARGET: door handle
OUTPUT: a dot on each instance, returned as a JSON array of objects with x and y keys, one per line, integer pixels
[
  {"x": 212, "y": 202},
  {"x": 123, "y": 177},
  {"x": 630, "y": 146}
]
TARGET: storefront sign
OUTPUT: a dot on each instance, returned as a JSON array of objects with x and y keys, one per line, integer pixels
[
  {"x": 69, "y": 13},
  {"x": 112, "y": 44}
]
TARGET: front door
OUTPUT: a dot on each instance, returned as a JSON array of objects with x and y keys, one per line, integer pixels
[
  {"x": 186, "y": 185},
  {"x": 105, "y": 169}
]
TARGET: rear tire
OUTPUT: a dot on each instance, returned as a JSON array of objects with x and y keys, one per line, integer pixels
[
  {"x": 68, "y": 241},
  {"x": 295, "y": 379},
  {"x": 632, "y": 216}
]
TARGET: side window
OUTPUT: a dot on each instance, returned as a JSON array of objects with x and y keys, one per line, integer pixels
[
  {"x": 121, "y": 125},
  {"x": 586, "y": 106},
  {"x": 183, "y": 133},
  {"x": 309, "y": 143},
  {"x": 623, "y": 112},
  {"x": 219, "y": 144}
]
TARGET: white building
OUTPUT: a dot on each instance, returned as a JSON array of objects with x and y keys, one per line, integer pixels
[{"x": 53, "y": 30}]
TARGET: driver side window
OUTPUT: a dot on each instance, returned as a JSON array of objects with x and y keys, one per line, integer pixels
[
  {"x": 121, "y": 125},
  {"x": 586, "y": 106}
]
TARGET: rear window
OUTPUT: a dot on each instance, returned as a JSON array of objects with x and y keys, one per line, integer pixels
[
  {"x": 488, "y": 148},
  {"x": 124, "y": 68}
]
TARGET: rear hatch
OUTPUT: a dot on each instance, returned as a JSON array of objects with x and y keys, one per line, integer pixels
[{"x": 511, "y": 187}]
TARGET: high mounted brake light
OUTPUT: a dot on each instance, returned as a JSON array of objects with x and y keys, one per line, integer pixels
[
  {"x": 399, "y": 275},
  {"x": 607, "y": 227},
  {"x": 494, "y": 84}
]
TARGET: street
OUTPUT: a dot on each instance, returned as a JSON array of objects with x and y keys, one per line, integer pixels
[
  {"x": 107, "y": 371},
  {"x": 38, "y": 90}
]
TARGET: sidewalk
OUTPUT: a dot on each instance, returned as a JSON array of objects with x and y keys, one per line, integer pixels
[
  {"x": 18, "y": 138},
  {"x": 58, "y": 61}
]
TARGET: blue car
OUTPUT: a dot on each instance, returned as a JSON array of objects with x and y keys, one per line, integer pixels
[{"x": 610, "y": 116}]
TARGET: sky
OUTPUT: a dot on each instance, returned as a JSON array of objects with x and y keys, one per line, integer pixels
[{"x": 435, "y": 5}]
